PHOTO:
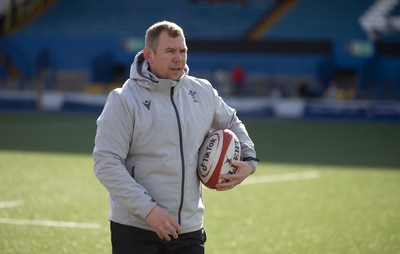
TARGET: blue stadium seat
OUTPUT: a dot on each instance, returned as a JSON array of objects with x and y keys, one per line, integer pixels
[
  {"x": 315, "y": 19},
  {"x": 128, "y": 18},
  {"x": 309, "y": 19}
]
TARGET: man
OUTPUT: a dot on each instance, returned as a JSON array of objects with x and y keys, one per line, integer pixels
[{"x": 146, "y": 149}]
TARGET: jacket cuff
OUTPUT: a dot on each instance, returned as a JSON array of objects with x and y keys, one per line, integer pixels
[
  {"x": 253, "y": 162},
  {"x": 144, "y": 212}
]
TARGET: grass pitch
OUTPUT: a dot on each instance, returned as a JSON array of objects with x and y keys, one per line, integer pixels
[{"x": 352, "y": 206}]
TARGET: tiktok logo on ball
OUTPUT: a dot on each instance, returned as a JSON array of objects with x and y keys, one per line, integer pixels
[{"x": 206, "y": 156}]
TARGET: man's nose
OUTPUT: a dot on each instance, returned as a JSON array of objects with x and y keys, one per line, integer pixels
[{"x": 177, "y": 57}]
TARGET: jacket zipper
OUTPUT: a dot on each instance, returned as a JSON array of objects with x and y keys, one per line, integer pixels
[{"x": 181, "y": 153}]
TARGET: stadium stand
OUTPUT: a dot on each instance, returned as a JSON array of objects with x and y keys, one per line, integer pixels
[
  {"x": 314, "y": 19},
  {"x": 90, "y": 44},
  {"x": 127, "y": 18}
]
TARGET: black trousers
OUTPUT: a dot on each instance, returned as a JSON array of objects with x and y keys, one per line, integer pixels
[{"x": 131, "y": 240}]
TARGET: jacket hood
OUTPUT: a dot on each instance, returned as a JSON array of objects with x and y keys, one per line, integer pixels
[{"x": 141, "y": 74}]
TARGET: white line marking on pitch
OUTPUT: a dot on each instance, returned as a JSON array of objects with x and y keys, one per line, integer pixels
[
  {"x": 7, "y": 204},
  {"x": 49, "y": 223},
  {"x": 281, "y": 177}
]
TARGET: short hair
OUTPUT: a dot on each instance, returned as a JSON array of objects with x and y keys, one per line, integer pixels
[{"x": 154, "y": 31}]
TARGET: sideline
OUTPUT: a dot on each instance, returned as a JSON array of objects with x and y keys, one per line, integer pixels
[
  {"x": 50, "y": 223},
  {"x": 45, "y": 223},
  {"x": 10, "y": 204},
  {"x": 281, "y": 178}
]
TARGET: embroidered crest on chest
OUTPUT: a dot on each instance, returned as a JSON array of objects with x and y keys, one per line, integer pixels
[{"x": 194, "y": 96}]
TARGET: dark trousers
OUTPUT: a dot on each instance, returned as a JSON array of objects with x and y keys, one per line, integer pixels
[{"x": 131, "y": 240}]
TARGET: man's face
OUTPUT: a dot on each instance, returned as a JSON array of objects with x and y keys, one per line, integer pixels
[{"x": 169, "y": 61}]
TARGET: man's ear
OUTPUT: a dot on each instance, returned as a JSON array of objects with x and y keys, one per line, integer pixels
[{"x": 148, "y": 54}]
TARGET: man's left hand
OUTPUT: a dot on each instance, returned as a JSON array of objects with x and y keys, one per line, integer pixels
[{"x": 243, "y": 170}]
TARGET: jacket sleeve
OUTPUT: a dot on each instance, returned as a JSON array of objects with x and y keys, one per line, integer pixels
[
  {"x": 225, "y": 117},
  {"x": 112, "y": 144}
]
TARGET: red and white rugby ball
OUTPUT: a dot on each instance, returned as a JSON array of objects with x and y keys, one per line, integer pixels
[{"x": 215, "y": 154}]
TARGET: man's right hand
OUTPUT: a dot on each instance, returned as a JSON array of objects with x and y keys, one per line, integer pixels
[{"x": 163, "y": 223}]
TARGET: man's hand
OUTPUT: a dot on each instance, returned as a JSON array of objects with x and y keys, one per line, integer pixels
[
  {"x": 163, "y": 223},
  {"x": 243, "y": 170}
]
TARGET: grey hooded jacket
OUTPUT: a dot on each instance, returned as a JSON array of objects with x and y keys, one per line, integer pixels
[{"x": 147, "y": 142}]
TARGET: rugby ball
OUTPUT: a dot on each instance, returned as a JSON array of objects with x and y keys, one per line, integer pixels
[{"x": 215, "y": 154}]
